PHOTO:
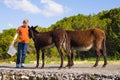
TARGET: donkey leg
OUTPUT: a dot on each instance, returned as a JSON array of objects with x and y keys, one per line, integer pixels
[
  {"x": 97, "y": 58},
  {"x": 105, "y": 57},
  {"x": 72, "y": 55},
  {"x": 61, "y": 65},
  {"x": 43, "y": 52},
  {"x": 70, "y": 60},
  {"x": 105, "y": 60},
  {"x": 61, "y": 55},
  {"x": 37, "y": 56}
]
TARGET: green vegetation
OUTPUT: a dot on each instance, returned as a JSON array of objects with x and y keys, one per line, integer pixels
[{"x": 108, "y": 20}]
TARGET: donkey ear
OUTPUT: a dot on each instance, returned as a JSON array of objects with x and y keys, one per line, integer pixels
[
  {"x": 36, "y": 26},
  {"x": 32, "y": 26},
  {"x": 28, "y": 26}
]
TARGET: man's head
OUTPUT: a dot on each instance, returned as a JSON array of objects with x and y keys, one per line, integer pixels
[{"x": 25, "y": 22}]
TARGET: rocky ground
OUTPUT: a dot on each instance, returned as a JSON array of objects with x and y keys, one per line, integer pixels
[{"x": 51, "y": 72}]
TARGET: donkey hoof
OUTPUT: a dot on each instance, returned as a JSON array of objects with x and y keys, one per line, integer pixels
[
  {"x": 104, "y": 66},
  {"x": 72, "y": 64},
  {"x": 69, "y": 67},
  {"x": 66, "y": 66},
  {"x": 94, "y": 66},
  {"x": 42, "y": 67},
  {"x": 36, "y": 66},
  {"x": 60, "y": 68}
]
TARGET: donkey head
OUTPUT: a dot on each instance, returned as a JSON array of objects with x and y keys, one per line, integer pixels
[{"x": 32, "y": 31}]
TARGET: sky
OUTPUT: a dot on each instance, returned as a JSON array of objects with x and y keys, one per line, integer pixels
[{"x": 47, "y": 12}]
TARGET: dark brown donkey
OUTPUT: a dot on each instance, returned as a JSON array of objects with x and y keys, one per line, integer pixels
[
  {"x": 83, "y": 40},
  {"x": 45, "y": 40}
]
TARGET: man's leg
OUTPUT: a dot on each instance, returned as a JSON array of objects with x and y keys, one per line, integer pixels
[
  {"x": 19, "y": 55},
  {"x": 25, "y": 47}
]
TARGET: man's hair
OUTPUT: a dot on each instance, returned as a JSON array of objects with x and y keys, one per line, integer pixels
[{"x": 25, "y": 21}]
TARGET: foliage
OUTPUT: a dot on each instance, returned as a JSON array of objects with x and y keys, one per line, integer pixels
[
  {"x": 108, "y": 20},
  {"x": 5, "y": 40}
]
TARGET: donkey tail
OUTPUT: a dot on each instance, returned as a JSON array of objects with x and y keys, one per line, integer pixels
[
  {"x": 67, "y": 41},
  {"x": 104, "y": 44},
  {"x": 104, "y": 51}
]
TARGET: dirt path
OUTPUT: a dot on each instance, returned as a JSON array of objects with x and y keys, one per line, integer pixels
[
  {"x": 77, "y": 68},
  {"x": 79, "y": 71}
]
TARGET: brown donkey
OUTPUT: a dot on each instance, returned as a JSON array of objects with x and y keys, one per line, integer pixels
[
  {"x": 45, "y": 40},
  {"x": 83, "y": 40}
]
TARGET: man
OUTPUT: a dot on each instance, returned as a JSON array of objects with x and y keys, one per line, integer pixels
[{"x": 22, "y": 43}]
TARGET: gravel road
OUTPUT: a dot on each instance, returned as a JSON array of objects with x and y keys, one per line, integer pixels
[
  {"x": 77, "y": 68},
  {"x": 112, "y": 70}
]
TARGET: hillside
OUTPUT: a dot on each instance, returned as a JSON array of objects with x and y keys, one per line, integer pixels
[{"x": 108, "y": 20}]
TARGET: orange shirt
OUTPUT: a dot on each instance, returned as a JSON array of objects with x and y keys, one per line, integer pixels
[{"x": 23, "y": 34}]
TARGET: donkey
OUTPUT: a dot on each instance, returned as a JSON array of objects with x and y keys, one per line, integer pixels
[
  {"x": 83, "y": 40},
  {"x": 45, "y": 40}
]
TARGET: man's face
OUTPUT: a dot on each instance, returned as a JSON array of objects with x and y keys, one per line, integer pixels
[{"x": 25, "y": 24}]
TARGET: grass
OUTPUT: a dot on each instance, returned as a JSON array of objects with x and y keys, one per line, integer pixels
[
  {"x": 31, "y": 59},
  {"x": 57, "y": 61}
]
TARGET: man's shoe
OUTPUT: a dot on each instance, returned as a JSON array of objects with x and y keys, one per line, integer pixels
[
  {"x": 17, "y": 65},
  {"x": 22, "y": 65}
]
